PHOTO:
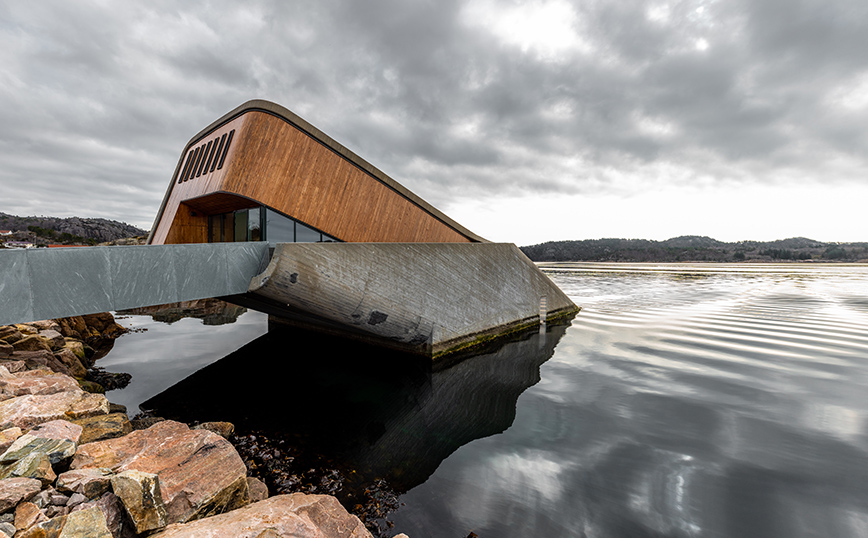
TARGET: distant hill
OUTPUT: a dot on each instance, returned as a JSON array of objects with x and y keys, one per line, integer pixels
[
  {"x": 691, "y": 248},
  {"x": 44, "y": 230}
]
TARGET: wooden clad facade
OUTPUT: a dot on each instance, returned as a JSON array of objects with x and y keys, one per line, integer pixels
[{"x": 276, "y": 159}]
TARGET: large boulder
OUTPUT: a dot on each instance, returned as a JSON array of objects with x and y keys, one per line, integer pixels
[
  {"x": 69, "y": 359},
  {"x": 57, "y": 450},
  {"x": 58, "y": 429},
  {"x": 31, "y": 410},
  {"x": 32, "y": 342},
  {"x": 40, "y": 359},
  {"x": 200, "y": 472},
  {"x": 113, "y": 511},
  {"x": 17, "y": 490},
  {"x": 53, "y": 338},
  {"x": 34, "y": 382},
  {"x": 297, "y": 515},
  {"x": 10, "y": 334}
]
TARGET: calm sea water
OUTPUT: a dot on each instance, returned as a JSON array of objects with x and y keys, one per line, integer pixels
[{"x": 684, "y": 400}]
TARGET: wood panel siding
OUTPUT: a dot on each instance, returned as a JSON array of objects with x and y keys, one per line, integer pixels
[{"x": 300, "y": 172}]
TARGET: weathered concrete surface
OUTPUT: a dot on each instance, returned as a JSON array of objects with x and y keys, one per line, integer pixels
[
  {"x": 38, "y": 284},
  {"x": 428, "y": 298}
]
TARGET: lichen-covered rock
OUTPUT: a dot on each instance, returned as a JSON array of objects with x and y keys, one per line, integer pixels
[
  {"x": 296, "y": 515},
  {"x": 34, "y": 465},
  {"x": 200, "y": 472},
  {"x": 90, "y": 482},
  {"x": 56, "y": 450},
  {"x": 29, "y": 411},
  {"x": 140, "y": 494},
  {"x": 58, "y": 429},
  {"x": 71, "y": 361},
  {"x": 103, "y": 427},
  {"x": 17, "y": 490},
  {"x": 32, "y": 342},
  {"x": 35, "y": 382},
  {"x": 88, "y": 523}
]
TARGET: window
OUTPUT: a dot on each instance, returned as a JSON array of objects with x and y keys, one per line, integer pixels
[{"x": 262, "y": 224}]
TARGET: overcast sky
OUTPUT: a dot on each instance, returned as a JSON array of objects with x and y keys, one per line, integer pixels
[{"x": 525, "y": 121}]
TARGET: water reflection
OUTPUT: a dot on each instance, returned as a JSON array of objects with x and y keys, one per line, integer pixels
[
  {"x": 381, "y": 413},
  {"x": 210, "y": 311}
]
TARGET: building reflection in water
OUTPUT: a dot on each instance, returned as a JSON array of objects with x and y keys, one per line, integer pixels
[{"x": 381, "y": 413}]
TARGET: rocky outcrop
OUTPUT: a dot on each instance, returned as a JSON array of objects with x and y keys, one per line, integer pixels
[
  {"x": 319, "y": 516},
  {"x": 200, "y": 472},
  {"x": 28, "y": 411},
  {"x": 140, "y": 494}
]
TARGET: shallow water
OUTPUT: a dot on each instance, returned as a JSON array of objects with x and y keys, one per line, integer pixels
[{"x": 684, "y": 400}]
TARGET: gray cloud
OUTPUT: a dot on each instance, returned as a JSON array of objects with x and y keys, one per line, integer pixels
[{"x": 99, "y": 100}]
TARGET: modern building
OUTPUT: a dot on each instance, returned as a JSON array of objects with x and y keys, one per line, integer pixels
[{"x": 355, "y": 252}]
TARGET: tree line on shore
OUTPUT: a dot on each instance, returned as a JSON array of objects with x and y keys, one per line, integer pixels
[{"x": 696, "y": 249}]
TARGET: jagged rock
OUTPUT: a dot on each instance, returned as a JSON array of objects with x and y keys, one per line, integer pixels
[
  {"x": 58, "y": 429},
  {"x": 29, "y": 411},
  {"x": 109, "y": 380},
  {"x": 77, "y": 349},
  {"x": 59, "y": 499},
  {"x": 117, "y": 408},
  {"x": 71, "y": 361},
  {"x": 32, "y": 342},
  {"x": 8, "y": 436},
  {"x": 13, "y": 366},
  {"x": 88, "y": 523},
  {"x": 296, "y": 515},
  {"x": 91, "y": 387},
  {"x": 57, "y": 450},
  {"x": 56, "y": 511},
  {"x": 5, "y": 350},
  {"x": 200, "y": 472},
  {"x": 10, "y": 334},
  {"x": 140, "y": 494},
  {"x": 113, "y": 510},
  {"x": 103, "y": 427},
  {"x": 40, "y": 359},
  {"x": 34, "y": 382},
  {"x": 16, "y": 490},
  {"x": 7, "y": 529},
  {"x": 257, "y": 490},
  {"x": 27, "y": 515},
  {"x": 43, "y": 498},
  {"x": 45, "y": 325},
  {"x": 223, "y": 429},
  {"x": 34, "y": 465},
  {"x": 75, "y": 499},
  {"x": 53, "y": 338},
  {"x": 90, "y": 482},
  {"x": 26, "y": 329}
]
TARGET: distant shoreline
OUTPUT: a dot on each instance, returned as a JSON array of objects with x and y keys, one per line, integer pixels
[{"x": 697, "y": 249}]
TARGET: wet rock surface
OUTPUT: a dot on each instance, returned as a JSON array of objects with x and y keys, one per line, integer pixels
[{"x": 284, "y": 468}]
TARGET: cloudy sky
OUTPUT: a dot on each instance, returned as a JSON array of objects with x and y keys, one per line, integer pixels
[{"x": 526, "y": 121}]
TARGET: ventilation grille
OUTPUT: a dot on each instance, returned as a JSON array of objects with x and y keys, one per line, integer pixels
[{"x": 207, "y": 157}]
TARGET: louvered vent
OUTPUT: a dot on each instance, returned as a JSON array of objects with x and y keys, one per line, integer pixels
[{"x": 206, "y": 158}]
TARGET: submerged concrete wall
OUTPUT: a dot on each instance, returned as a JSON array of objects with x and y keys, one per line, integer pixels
[
  {"x": 52, "y": 283},
  {"x": 429, "y": 298}
]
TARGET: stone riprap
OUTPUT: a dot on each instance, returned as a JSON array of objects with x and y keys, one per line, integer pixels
[{"x": 115, "y": 482}]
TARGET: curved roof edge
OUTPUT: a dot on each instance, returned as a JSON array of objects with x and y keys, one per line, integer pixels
[{"x": 292, "y": 118}]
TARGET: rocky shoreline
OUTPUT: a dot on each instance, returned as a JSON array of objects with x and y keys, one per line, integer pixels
[{"x": 72, "y": 465}]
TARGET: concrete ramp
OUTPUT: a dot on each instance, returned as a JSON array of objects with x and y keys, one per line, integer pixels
[{"x": 40, "y": 283}]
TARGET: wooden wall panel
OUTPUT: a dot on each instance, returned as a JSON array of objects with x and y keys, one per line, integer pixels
[{"x": 279, "y": 165}]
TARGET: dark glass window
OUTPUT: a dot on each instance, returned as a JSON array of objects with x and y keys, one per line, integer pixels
[
  {"x": 303, "y": 234},
  {"x": 278, "y": 229},
  {"x": 241, "y": 225},
  {"x": 229, "y": 227}
]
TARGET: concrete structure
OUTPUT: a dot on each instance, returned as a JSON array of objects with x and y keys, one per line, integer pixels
[
  {"x": 51, "y": 283},
  {"x": 427, "y": 298},
  {"x": 355, "y": 252}
]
